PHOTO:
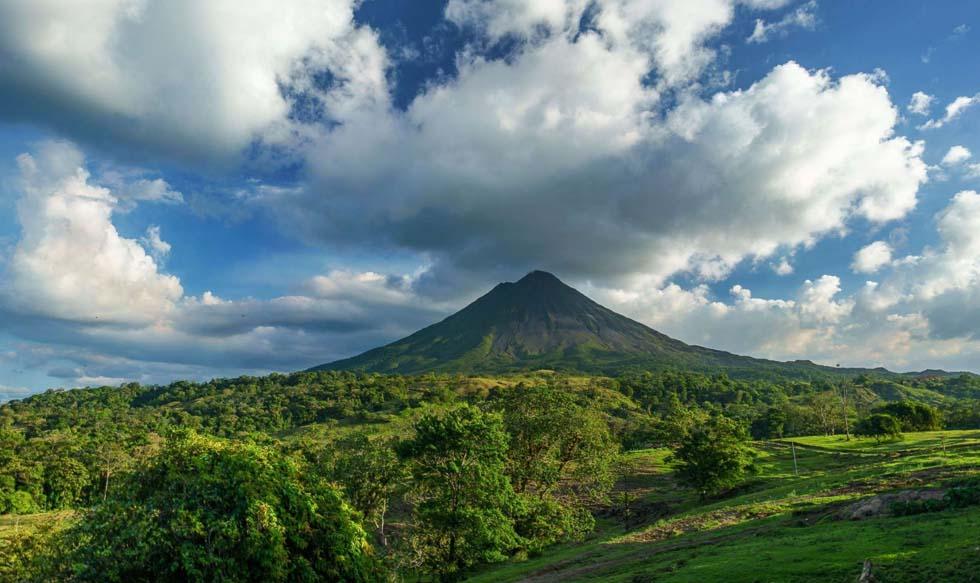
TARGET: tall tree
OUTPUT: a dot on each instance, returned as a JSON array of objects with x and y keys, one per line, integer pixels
[
  {"x": 463, "y": 499},
  {"x": 370, "y": 473},
  {"x": 561, "y": 458}
]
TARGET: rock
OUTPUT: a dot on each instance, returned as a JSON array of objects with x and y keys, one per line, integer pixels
[{"x": 881, "y": 504}]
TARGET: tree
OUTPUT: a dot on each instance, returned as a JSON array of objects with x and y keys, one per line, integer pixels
[
  {"x": 770, "y": 425},
  {"x": 713, "y": 456},
  {"x": 370, "y": 474},
  {"x": 557, "y": 443},
  {"x": 880, "y": 426},
  {"x": 913, "y": 416},
  {"x": 561, "y": 457},
  {"x": 463, "y": 499},
  {"x": 204, "y": 509},
  {"x": 65, "y": 478}
]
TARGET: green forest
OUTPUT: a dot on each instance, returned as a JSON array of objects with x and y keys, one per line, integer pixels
[{"x": 339, "y": 476}]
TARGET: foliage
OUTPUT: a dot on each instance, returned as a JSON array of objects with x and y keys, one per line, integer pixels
[
  {"x": 913, "y": 416},
  {"x": 371, "y": 475},
  {"x": 713, "y": 455},
  {"x": 771, "y": 425},
  {"x": 205, "y": 509},
  {"x": 880, "y": 426},
  {"x": 561, "y": 457},
  {"x": 463, "y": 499}
]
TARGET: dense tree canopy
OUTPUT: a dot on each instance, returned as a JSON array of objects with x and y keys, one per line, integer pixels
[
  {"x": 209, "y": 510},
  {"x": 464, "y": 500}
]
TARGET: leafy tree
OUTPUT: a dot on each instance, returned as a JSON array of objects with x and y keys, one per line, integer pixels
[
  {"x": 713, "y": 455},
  {"x": 371, "y": 474},
  {"x": 65, "y": 479},
  {"x": 880, "y": 426},
  {"x": 464, "y": 501},
  {"x": 210, "y": 510},
  {"x": 555, "y": 441},
  {"x": 561, "y": 456},
  {"x": 913, "y": 416},
  {"x": 771, "y": 424}
]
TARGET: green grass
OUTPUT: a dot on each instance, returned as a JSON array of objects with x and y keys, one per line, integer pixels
[
  {"x": 781, "y": 526},
  {"x": 908, "y": 442}
]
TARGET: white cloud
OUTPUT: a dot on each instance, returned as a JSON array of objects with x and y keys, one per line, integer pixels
[
  {"x": 784, "y": 267},
  {"x": 191, "y": 78},
  {"x": 920, "y": 103},
  {"x": 99, "y": 301},
  {"x": 671, "y": 33},
  {"x": 71, "y": 263},
  {"x": 954, "y": 110},
  {"x": 804, "y": 16},
  {"x": 132, "y": 187},
  {"x": 564, "y": 131},
  {"x": 956, "y": 155},
  {"x": 157, "y": 247},
  {"x": 871, "y": 258}
]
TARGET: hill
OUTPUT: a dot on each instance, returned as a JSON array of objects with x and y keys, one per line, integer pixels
[{"x": 540, "y": 322}]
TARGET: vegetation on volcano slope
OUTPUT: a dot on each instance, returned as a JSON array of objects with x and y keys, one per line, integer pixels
[{"x": 66, "y": 454}]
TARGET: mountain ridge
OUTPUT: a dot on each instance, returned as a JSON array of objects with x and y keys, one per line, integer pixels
[{"x": 539, "y": 322}]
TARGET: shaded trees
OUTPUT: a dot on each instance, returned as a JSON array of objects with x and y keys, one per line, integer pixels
[{"x": 880, "y": 426}]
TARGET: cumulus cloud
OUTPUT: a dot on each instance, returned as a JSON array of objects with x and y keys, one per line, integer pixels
[
  {"x": 872, "y": 257},
  {"x": 564, "y": 149},
  {"x": 954, "y": 110},
  {"x": 71, "y": 262},
  {"x": 189, "y": 78},
  {"x": 804, "y": 16},
  {"x": 784, "y": 267},
  {"x": 82, "y": 294},
  {"x": 920, "y": 103},
  {"x": 956, "y": 155},
  {"x": 671, "y": 33}
]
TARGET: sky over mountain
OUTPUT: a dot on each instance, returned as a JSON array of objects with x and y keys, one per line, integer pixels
[{"x": 194, "y": 189}]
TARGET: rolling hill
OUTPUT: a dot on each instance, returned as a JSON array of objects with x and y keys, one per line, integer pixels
[{"x": 540, "y": 322}]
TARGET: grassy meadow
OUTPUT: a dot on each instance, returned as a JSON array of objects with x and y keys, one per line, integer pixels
[{"x": 782, "y": 526}]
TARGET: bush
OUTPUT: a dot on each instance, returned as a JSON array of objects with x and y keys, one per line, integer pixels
[
  {"x": 913, "y": 416},
  {"x": 205, "y": 509},
  {"x": 880, "y": 426},
  {"x": 713, "y": 455}
]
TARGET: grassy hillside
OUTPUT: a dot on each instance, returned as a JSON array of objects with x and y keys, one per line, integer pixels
[{"x": 783, "y": 526}]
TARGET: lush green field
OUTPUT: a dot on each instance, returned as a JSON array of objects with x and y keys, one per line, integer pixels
[
  {"x": 783, "y": 526},
  {"x": 909, "y": 442}
]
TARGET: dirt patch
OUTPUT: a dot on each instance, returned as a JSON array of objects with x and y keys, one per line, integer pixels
[{"x": 713, "y": 520}]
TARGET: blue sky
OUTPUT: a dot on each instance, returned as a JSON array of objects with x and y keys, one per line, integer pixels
[{"x": 297, "y": 181}]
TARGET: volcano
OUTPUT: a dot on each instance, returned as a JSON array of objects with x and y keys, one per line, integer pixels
[{"x": 539, "y": 322}]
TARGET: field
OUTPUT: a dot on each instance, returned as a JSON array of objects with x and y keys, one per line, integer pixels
[{"x": 783, "y": 526}]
